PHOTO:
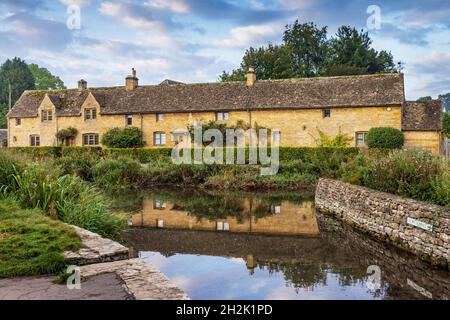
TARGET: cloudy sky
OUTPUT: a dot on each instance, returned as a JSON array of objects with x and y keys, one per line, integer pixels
[{"x": 194, "y": 40}]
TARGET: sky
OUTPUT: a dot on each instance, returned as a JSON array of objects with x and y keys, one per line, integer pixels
[{"x": 195, "y": 40}]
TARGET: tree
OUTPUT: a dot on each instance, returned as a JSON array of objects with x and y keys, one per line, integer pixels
[
  {"x": 350, "y": 52},
  {"x": 308, "y": 47},
  {"x": 16, "y": 73},
  {"x": 424, "y": 99},
  {"x": 44, "y": 79},
  {"x": 445, "y": 98},
  {"x": 446, "y": 124}
]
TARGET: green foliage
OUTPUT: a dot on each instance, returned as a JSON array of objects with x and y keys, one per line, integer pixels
[
  {"x": 67, "y": 133},
  {"x": 423, "y": 99},
  {"x": 30, "y": 243},
  {"x": 143, "y": 155},
  {"x": 3, "y": 112},
  {"x": 414, "y": 173},
  {"x": 16, "y": 73},
  {"x": 385, "y": 138},
  {"x": 123, "y": 138},
  {"x": 77, "y": 166},
  {"x": 123, "y": 173},
  {"x": 44, "y": 79},
  {"x": 307, "y": 52},
  {"x": 446, "y": 124},
  {"x": 341, "y": 140}
]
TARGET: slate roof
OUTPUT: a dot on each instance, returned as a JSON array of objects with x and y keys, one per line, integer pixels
[
  {"x": 422, "y": 116},
  {"x": 321, "y": 92}
]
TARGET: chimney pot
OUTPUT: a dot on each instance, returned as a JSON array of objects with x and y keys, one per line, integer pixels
[
  {"x": 251, "y": 76},
  {"x": 131, "y": 82},
  {"x": 82, "y": 84}
]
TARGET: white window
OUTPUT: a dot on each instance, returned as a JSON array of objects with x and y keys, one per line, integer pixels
[
  {"x": 276, "y": 137},
  {"x": 18, "y": 122},
  {"x": 46, "y": 115},
  {"x": 159, "y": 138},
  {"x": 361, "y": 139},
  {"x": 159, "y": 117},
  {"x": 90, "y": 139},
  {"x": 222, "y": 226},
  {"x": 157, "y": 204},
  {"x": 90, "y": 114},
  {"x": 220, "y": 116},
  {"x": 129, "y": 120},
  {"x": 35, "y": 140}
]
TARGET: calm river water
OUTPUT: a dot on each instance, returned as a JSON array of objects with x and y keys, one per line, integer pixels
[{"x": 268, "y": 246}]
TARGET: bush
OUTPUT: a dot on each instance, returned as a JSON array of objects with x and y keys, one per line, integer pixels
[
  {"x": 123, "y": 138},
  {"x": 385, "y": 138},
  {"x": 416, "y": 174},
  {"x": 81, "y": 167},
  {"x": 118, "y": 174}
]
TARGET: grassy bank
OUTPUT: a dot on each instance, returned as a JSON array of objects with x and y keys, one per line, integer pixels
[{"x": 30, "y": 242}]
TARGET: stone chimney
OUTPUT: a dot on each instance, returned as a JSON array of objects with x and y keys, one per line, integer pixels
[
  {"x": 82, "y": 84},
  {"x": 131, "y": 82},
  {"x": 251, "y": 77}
]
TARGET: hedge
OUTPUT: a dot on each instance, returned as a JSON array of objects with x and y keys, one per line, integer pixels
[{"x": 146, "y": 155}]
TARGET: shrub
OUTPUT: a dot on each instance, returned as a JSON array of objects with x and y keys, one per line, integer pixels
[
  {"x": 81, "y": 167},
  {"x": 118, "y": 174},
  {"x": 123, "y": 138},
  {"x": 385, "y": 138},
  {"x": 341, "y": 140},
  {"x": 415, "y": 173}
]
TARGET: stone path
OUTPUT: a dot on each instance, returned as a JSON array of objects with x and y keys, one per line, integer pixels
[
  {"x": 106, "y": 286},
  {"x": 106, "y": 274}
]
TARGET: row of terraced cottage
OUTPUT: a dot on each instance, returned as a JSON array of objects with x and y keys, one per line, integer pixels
[{"x": 294, "y": 108}]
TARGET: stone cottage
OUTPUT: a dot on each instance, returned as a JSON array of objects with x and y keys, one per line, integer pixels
[{"x": 295, "y": 108}]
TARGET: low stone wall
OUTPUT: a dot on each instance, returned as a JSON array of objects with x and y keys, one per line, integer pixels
[{"x": 400, "y": 221}]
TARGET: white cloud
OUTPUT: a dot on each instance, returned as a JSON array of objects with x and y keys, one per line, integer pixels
[
  {"x": 296, "y": 4},
  {"x": 177, "y": 6},
  {"x": 80, "y": 3},
  {"x": 249, "y": 35}
]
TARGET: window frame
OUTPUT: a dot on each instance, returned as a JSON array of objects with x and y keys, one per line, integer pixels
[
  {"x": 95, "y": 136},
  {"x": 364, "y": 134},
  {"x": 128, "y": 118},
  {"x": 159, "y": 117},
  {"x": 160, "y": 139},
  {"x": 18, "y": 122},
  {"x": 326, "y": 113},
  {"x": 222, "y": 116},
  {"x": 90, "y": 114},
  {"x": 276, "y": 135},
  {"x": 46, "y": 115},
  {"x": 35, "y": 140}
]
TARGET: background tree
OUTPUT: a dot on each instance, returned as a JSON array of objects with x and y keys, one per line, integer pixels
[
  {"x": 423, "y": 99},
  {"x": 446, "y": 124},
  {"x": 44, "y": 79},
  {"x": 308, "y": 46},
  {"x": 351, "y": 53},
  {"x": 16, "y": 73}
]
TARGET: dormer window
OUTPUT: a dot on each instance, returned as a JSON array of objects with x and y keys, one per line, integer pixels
[
  {"x": 46, "y": 115},
  {"x": 90, "y": 114}
]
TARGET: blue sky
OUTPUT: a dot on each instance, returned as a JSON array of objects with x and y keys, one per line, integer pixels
[{"x": 194, "y": 40}]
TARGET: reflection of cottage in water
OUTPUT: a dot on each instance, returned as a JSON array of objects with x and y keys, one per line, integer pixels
[{"x": 246, "y": 215}]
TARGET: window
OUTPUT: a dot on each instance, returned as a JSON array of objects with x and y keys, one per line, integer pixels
[
  {"x": 159, "y": 138},
  {"x": 361, "y": 139},
  {"x": 129, "y": 120},
  {"x": 160, "y": 205},
  {"x": 90, "y": 139},
  {"x": 35, "y": 140},
  {"x": 18, "y": 122},
  {"x": 222, "y": 116},
  {"x": 90, "y": 114},
  {"x": 327, "y": 113},
  {"x": 47, "y": 115},
  {"x": 159, "y": 117}
]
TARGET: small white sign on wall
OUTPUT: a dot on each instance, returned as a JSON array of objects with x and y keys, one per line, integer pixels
[{"x": 419, "y": 224}]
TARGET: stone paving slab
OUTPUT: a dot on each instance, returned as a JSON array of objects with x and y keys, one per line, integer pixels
[
  {"x": 141, "y": 279},
  {"x": 95, "y": 249},
  {"x": 107, "y": 286}
]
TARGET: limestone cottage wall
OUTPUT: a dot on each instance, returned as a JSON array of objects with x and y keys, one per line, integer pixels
[{"x": 394, "y": 219}]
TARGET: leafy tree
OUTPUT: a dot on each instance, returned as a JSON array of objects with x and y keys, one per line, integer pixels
[
  {"x": 351, "y": 52},
  {"x": 308, "y": 47},
  {"x": 16, "y": 73},
  {"x": 341, "y": 140},
  {"x": 445, "y": 98},
  {"x": 385, "y": 138},
  {"x": 123, "y": 138},
  {"x": 423, "y": 99},
  {"x": 44, "y": 79},
  {"x": 446, "y": 124}
]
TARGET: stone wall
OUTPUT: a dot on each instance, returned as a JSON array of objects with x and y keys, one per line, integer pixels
[{"x": 385, "y": 216}]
